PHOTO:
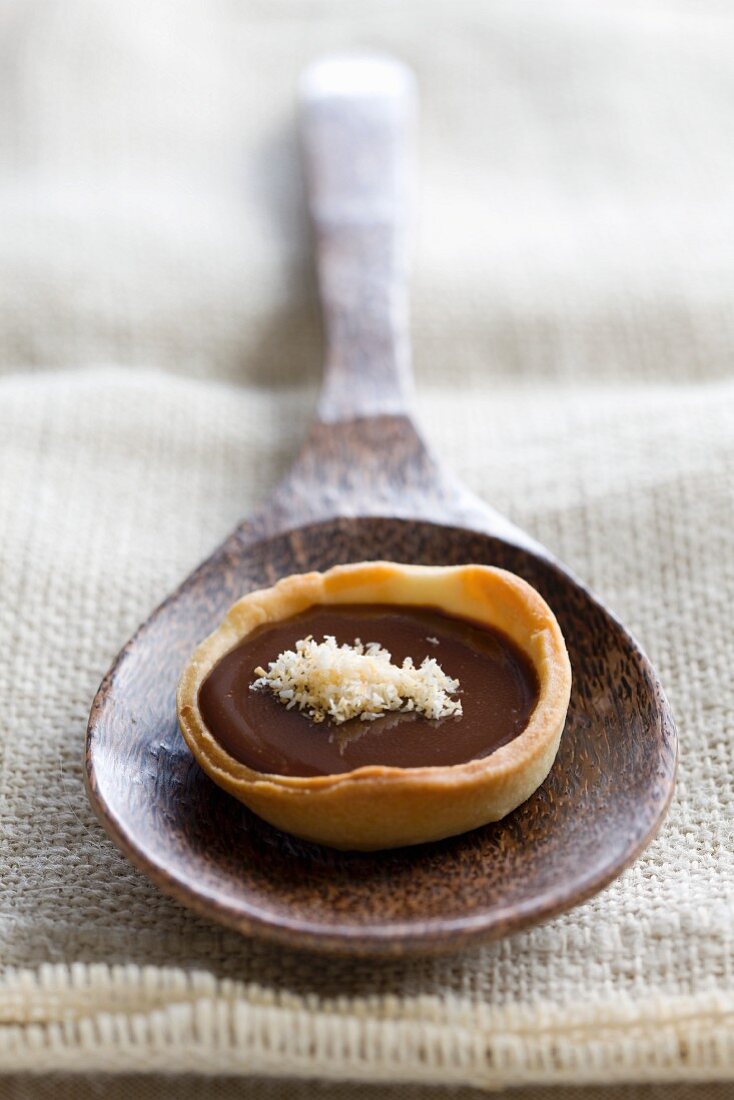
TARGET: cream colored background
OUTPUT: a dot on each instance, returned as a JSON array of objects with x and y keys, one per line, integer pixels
[{"x": 159, "y": 350}]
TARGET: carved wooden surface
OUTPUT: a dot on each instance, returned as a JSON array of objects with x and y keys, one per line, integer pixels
[{"x": 366, "y": 487}]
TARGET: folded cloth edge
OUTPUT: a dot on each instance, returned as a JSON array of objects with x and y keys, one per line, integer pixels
[{"x": 126, "y": 1018}]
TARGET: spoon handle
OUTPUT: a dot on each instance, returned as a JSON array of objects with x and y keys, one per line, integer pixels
[{"x": 357, "y": 120}]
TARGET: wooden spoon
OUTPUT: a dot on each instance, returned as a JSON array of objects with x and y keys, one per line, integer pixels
[{"x": 364, "y": 487}]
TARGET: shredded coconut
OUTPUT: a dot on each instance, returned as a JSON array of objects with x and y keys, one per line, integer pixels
[{"x": 340, "y": 682}]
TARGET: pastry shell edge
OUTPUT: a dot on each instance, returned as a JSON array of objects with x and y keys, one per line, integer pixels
[{"x": 380, "y": 806}]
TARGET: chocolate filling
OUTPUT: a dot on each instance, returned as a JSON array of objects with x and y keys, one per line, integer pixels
[{"x": 499, "y": 691}]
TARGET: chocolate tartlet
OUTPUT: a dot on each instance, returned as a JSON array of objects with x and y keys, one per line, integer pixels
[{"x": 401, "y": 777}]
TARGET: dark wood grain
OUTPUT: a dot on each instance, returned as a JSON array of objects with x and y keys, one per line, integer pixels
[{"x": 366, "y": 487}]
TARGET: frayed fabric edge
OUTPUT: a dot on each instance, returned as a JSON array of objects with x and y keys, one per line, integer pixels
[{"x": 122, "y": 1019}]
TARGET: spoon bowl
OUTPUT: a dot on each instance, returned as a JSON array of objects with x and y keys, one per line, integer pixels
[
  {"x": 366, "y": 487},
  {"x": 602, "y": 801}
]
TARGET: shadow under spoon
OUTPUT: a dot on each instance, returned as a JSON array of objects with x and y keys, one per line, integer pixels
[{"x": 365, "y": 487}]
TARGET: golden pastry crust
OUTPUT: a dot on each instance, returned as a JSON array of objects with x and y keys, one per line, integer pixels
[{"x": 386, "y": 807}]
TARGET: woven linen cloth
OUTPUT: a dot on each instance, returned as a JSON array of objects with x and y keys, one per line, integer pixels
[{"x": 159, "y": 358}]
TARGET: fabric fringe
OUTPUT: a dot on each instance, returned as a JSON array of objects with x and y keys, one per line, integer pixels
[{"x": 122, "y": 1019}]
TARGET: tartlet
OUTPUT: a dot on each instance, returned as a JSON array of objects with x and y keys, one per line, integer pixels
[{"x": 377, "y": 806}]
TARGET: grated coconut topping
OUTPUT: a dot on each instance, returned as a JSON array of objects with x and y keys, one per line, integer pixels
[{"x": 340, "y": 682}]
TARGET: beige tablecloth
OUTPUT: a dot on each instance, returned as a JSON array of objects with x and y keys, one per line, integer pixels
[{"x": 159, "y": 349}]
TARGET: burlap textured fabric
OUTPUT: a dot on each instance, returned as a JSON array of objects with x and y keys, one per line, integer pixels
[{"x": 159, "y": 352}]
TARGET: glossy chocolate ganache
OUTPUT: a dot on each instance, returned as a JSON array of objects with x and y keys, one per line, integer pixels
[{"x": 498, "y": 691}]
